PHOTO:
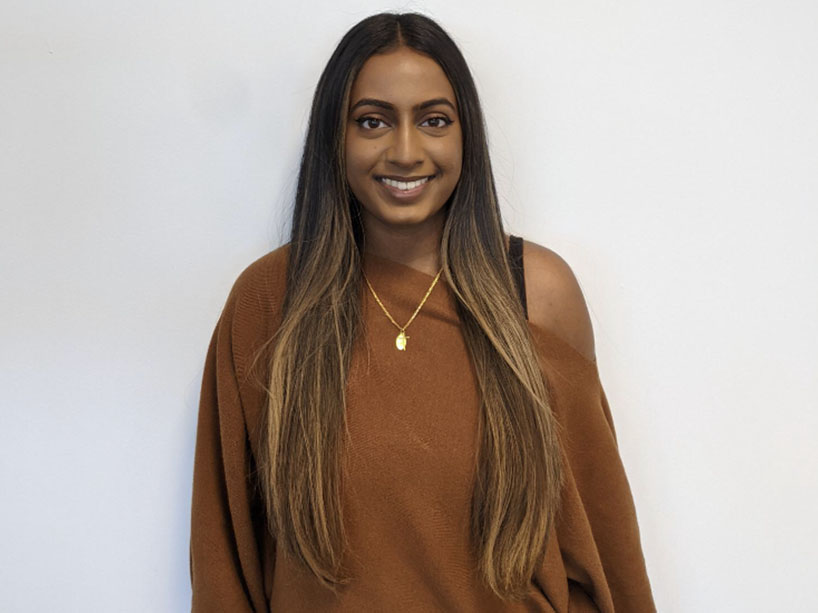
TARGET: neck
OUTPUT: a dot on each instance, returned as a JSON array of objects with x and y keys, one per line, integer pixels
[{"x": 413, "y": 245}]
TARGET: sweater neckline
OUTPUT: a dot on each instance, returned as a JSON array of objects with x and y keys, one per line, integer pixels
[
  {"x": 401, "y": 288},
  {"x": 372, "y": 260}
]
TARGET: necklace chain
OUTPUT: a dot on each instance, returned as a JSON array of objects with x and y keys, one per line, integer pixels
[{"x": 400, "y": 341}]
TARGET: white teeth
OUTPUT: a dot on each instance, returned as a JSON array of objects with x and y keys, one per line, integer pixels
[{"x": 401, "y": 185}]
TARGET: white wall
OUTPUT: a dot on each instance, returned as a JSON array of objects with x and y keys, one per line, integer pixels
[{"x": 668, "y": 150}]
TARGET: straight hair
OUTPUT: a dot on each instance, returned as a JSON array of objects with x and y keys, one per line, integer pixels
[{"x": 519, "y": 471}]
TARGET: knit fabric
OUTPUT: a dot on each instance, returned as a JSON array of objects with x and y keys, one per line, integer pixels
[{"x": 413, "y": 423}]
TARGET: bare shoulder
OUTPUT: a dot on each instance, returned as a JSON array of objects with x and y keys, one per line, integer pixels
[{"x": 555, "y": 299}]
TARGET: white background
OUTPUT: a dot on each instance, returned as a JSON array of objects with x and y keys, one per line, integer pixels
[{"x": 668, "y": 150}]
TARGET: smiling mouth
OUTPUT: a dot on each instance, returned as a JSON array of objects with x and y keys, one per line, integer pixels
[{"x": 404, "y": 186}]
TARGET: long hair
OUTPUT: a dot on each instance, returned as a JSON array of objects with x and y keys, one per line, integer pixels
[{"x": 518, "y": 465}]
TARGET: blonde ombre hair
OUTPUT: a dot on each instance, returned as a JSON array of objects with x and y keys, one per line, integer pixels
[{"x": 519, "y": 470}]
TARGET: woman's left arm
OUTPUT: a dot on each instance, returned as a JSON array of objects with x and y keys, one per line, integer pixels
[{"x": 600, "y": 554}]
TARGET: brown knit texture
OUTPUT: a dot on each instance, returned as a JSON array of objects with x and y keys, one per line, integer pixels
[{"x": 413, "y": 425}]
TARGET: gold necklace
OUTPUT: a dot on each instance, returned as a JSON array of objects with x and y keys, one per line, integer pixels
[{"x": 400, "y": 341}]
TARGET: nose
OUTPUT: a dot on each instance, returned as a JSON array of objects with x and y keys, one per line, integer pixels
[{"x": 406, "y": 149}]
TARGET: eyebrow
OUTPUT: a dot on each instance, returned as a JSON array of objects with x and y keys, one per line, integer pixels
[{"x": 390, "y": 107}]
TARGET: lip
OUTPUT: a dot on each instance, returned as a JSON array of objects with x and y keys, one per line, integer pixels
[
  {"x": 400, "y": 178},
  {"x": 408, "y": 195}
]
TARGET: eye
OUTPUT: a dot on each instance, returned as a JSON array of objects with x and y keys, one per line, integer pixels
[
  {"x": 438, "y": 121},
  {"x": 369, "y": 123}
]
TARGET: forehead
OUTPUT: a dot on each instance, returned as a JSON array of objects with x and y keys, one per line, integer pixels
[{"x": 402, "y": 77}]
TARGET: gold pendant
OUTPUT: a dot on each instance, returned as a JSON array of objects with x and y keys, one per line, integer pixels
[{"x": 400, "y": 342}]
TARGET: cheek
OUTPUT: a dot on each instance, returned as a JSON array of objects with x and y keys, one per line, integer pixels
[
  {"x": 357, "y": 171},
  {"x": 454, "y": 164},
  {"x": 360, "y": 157},
  {"x": 450, "y": 155},
  {"x": 352, "y": 148}
]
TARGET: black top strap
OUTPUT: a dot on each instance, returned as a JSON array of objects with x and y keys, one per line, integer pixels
[{"x": 515, "y": 257}]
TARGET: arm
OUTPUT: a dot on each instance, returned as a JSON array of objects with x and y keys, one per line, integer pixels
[
  {"x": 599, "y": 540},
  {"x": 225, "y": 556}
]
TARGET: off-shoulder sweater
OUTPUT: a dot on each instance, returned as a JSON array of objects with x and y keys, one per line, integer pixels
[{"x": 413, "y": 422}]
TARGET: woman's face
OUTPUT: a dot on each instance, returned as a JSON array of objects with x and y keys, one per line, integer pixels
[{"x": 404, "y": 146}]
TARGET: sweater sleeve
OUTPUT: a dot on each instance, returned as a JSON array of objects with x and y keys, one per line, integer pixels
[
  {"x": 604, "y": 499},
  {"x": 595, "y": 562},
  {"x": 225, "y": 548}
]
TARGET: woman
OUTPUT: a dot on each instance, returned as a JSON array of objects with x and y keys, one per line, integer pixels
[{"x": 396, "y": 414}]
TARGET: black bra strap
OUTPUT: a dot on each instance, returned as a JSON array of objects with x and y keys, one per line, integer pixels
[{"x": 515, "y": 257}]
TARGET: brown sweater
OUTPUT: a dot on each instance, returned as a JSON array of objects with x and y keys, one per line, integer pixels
[{"x": 413, "y": 419}]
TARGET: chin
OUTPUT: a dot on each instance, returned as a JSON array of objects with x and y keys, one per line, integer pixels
[{"x": 408, "y": 216}]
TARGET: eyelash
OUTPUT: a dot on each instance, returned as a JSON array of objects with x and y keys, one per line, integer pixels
[{"x": 446, "y": 121}]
